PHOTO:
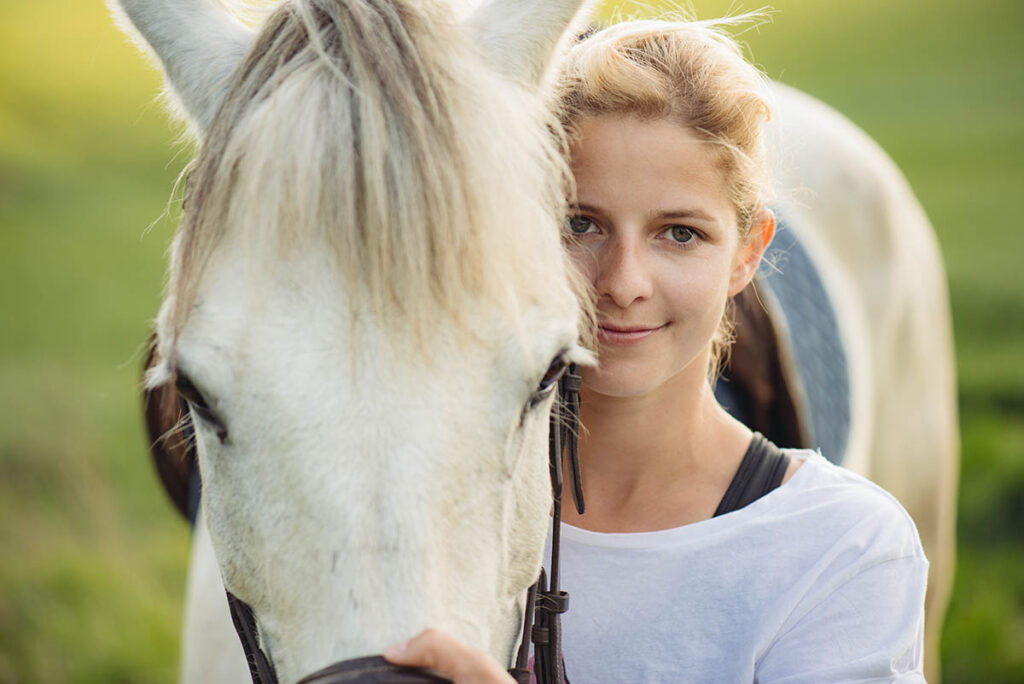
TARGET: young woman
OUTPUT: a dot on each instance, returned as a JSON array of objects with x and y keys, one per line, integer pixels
[{"x": 821, "y": 578}]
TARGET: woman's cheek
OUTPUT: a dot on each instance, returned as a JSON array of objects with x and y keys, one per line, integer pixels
[{"x": 586, "y": 259}]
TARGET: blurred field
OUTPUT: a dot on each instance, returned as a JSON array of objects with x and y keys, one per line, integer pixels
[{"x": 92, "y": 570}]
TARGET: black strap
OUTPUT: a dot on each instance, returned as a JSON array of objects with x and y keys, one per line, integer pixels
[
  {"x": 260, "y": 667},
  {"x": 760, "y": 472},
  {"x": 569, "y": 393},
  {"x": 549, "y": 668},
  {"x": 521, "y": 670}
]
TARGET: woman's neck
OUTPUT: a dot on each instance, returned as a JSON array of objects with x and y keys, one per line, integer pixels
[{"x": 659, "y": 460}]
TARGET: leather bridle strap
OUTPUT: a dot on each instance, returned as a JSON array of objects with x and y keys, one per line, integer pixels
[
  {"x": 545, "y": 602},
  {"x": 521, "y": 670},
  {"x": 569, "y": 389},
  {"x": 549, "y": 668},
  {"x": 260, "y": 667}
]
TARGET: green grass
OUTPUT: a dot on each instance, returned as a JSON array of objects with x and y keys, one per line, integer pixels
[
  {"x": 92, "y": 575},
  {"x": 91, "y": 580}
]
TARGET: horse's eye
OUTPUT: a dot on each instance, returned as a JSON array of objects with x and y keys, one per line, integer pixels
[
  {"x": 548, "y": 383},
  {"x": 199, "y": 406},
  {"x": 189, "y": 392},
  {"x": 555, "y": 371}
]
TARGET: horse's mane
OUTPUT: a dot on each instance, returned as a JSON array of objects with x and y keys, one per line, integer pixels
[{"x": 374, "y": 125}]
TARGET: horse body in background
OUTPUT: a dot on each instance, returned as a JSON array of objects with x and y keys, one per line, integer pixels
[
  {"x": 878, "y": 256},
  {"x": 368, "y": 286}
]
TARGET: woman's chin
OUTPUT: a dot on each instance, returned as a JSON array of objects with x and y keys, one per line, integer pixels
[
  {"x": 620, "y": 382},
  {"x": 626, "y": 376}
]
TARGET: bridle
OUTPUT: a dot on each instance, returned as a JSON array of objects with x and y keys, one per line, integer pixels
[{"x": 545, "y": 601}]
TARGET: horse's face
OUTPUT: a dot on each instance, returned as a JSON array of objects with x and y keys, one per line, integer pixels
[
  {"x": 356, "y": 493},
  {"x": 366, "y": 294}
]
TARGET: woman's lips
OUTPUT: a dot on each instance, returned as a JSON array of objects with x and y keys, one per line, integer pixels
[{"x": 625, "y": 335}]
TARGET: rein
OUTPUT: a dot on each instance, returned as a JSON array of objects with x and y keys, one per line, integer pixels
[{"x": 545, "y": 602}]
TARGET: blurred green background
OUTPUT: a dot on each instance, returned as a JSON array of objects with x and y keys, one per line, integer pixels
[{"x": 93, "y": 558}]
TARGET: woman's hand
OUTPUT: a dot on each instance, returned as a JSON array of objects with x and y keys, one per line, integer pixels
[{"x": 448, "y": 656}]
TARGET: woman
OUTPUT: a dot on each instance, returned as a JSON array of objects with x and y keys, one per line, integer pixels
[{"x": 821, "y": 577}]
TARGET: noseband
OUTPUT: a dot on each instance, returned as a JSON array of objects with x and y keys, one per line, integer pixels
[{"x": 545, "y": 602}]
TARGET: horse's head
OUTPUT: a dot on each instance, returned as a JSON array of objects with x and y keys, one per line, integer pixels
[{"x": 366, "y": 293}]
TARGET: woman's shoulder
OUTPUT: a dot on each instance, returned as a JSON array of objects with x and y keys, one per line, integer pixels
[
  {"x": 833, "y": 500},
  {"x": 859, "y": 579}
]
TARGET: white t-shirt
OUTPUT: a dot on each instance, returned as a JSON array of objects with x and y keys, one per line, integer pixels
[{"x": 822, "y": 580}]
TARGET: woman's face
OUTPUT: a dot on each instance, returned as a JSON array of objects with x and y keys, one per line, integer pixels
[{"x": 658, "y": 238}]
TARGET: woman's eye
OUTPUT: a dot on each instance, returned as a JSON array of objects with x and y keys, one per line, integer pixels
[
  {"x": 683, "y": 235},
  {"x": 580, "y": 225}
]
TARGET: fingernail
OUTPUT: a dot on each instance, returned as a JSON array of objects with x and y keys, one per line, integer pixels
[{"x": 396, "y": 650}]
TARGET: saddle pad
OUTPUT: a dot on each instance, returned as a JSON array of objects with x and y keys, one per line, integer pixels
[{"x": 790, "y": 278}]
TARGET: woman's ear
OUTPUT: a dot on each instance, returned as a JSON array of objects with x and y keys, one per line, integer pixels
[{"x": 751, "y": 250}]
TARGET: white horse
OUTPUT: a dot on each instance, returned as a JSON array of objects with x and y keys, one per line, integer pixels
[
  {"x": 368, "y": 286},
  {"x": 366, "y": 292}
]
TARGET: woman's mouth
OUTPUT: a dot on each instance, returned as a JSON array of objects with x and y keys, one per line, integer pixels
[{"x": 625, "y": 334}]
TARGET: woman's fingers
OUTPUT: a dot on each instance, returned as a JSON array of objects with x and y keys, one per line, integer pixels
[{"x": 447, "y": 655}]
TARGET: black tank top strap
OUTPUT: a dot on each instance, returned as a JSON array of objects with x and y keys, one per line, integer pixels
[{"x": 761, "y": 471}]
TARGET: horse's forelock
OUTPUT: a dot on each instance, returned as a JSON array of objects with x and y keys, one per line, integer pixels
[{"x": 375, "y": 126}]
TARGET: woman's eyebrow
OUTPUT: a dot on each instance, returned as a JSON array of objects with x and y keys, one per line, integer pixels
[
  {"x": 654, "y": 215},
  {"x": 681, "y": 214},
  {"x": 589, "y": 208}
]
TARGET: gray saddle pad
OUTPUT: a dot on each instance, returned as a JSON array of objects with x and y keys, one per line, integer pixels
[{"x": 791, "y": 284}]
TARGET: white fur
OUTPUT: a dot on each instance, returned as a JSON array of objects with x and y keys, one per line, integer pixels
[
  {"x": 198, "y": 44},
  {"x": 396, "y": 497},
  {"x": 210, "y": 649},
  {"x": 520, "y": 37},
  {"x": 882, "y": 265}
]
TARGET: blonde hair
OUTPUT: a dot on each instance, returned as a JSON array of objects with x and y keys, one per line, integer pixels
[{"x": 692, "y": 73}]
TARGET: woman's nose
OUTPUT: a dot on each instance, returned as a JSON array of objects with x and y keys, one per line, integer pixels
[{"x": 623, "y": 276}]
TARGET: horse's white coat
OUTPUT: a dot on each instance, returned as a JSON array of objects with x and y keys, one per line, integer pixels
[
  {"x": 198, "y": 44},
  {"x": 210, "y": 649},
  {"x": 420, "y": 491},
  {"x": 520, "y": 38}
]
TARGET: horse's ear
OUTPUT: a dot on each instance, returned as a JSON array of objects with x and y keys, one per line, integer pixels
[
  {"x": 198, "y": 44},
  {"x": 522, "y": 37}
]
